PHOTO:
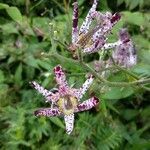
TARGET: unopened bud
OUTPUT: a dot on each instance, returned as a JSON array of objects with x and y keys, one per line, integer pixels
[{"x": 55, "y": 34}]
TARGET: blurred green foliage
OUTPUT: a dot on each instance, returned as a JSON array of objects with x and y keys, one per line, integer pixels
[{"x": 122, "y": 120}]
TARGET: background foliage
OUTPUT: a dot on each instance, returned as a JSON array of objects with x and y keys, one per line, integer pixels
[{"x": 122, "y": 119}]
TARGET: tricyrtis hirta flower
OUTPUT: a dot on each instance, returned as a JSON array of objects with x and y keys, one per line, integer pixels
[
  {"x": 125, "y": 54},
  {"x": 65, "y": 100},
  {"x": 88, "y": 38}
]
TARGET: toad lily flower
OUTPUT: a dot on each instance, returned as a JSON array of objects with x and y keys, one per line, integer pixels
[
  {"x": 125, "y": 54},
  {"x": 65, "y": 100},
  {"x": 91, "y": 39}
]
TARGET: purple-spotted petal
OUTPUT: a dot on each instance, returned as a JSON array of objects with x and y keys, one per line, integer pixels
[
  {"x": 49, "y": 96},
  {"x": 75, "y": 22},
  {"x": 41, "y": 90},
  {"x": 60, "y": 76},
  {"x": 64, "y": 90},
  {"x": 88, "y": 104},
  {"x": 47, "y": 112},
  {"x": 91, "y": 14},
  {"x": 115, "y": 18},
  {"x": 85, "y": 87},
  {"x": 69, "y": 121},
  {"x": 111, "y": 45},
  {"x": 98, "y": 43},
  {"x": 125, "y": 54},
  {"x": 109, "y": 21},
  {"x": 124, "y": 35},
  {"x": 54, "y": 97}
]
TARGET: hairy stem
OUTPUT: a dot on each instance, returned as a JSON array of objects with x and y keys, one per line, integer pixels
[{"x": 138, "y": 82}]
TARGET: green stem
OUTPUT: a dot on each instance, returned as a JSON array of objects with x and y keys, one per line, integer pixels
[
  {"x": 129, "y": 73},
  {"x": 80, "y": 57},
  {"x": 53, "y": 43},
  {"x": 64, "y": 45},
  {"x": 119, "y": 84},
  {"x": 101, "y": 79},
  {"x": 124, "y": 70},
  {"x": 38, "y": 3},
  {"x": 61, "y": 58}
]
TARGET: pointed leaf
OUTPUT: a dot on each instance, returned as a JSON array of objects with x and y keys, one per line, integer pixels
[
  {"x": 3, "y": 6},
  {"x": 15, "y": 14},
  {"x": 18, "y": 75}
]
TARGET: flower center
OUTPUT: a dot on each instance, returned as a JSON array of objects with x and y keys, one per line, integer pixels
[{"x": 67, "y": 104}]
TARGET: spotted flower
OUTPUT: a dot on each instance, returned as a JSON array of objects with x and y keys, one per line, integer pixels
[
  {"x": 90, "y": 39},
  {"x": 125, "y": 54},
  {"x": 65, "y": 100}
]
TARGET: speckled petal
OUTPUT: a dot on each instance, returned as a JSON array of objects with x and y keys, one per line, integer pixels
[
  {"x": 47, "y": 94},
  {"x": 125, "y": 54},
  {"x": 47, "y": 112},
  {"x": 111, "y": 45},
  {"x": 75, "y": 22},
  {"x": 85, "y": 87},
  {"x": 60, "y": 76},
  {"x": 115, "y": 18},
  {"x": 69, "y": 121},
  {"x": 88, "y": 104},
  {"x": 86, "y": 24},
  {"x": 98, "y": 43},
  {"x": 109, "y": 21}
]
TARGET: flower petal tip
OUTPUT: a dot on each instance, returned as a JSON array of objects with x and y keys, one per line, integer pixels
[
  {"x": 68, "y": 132},
  {"x": 116, "y": 17},
  {"x": 32, "y": 84},
  {"x": 95, "y": 100},
  {"x": 37, "y": 113},
  {"x": 126, "y": 40},
  {"x": 57, "y": 68},
  {"x": 75, "y": 2},
  {"x": 90, "y": 76}
]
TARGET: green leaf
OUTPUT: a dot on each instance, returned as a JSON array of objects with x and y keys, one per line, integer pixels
[
  {"x": 119, "y": 2},
  {"x": 133, "y": 4},
  {"x": 18, "y": 75},
  {"x": 142, "y": 69},
  {"x": 103, "y": 107},
  {"x": 2, "y": 78},
  {"x": 41, "y": 23},
  {"x": 31, "y": 61},
  {"x": 3, "y": 6},
  {"x": 15, "y": 14},
  {"x": 3, "y": 94},
  {"x": 9, "y": 28},
  {"x": 129, "y": 114},
  {"x": 141, "y": 144},
  {"x": 141, "y": 43},
  {"x": 58, "y": 122},
  {"x": 145, "y": 55},
  {"x": 145, "y": 112},
  {"x": 118, "y": 93},
  {"x": 44, "y": 64},
  {"x": 135, "y": 18}
]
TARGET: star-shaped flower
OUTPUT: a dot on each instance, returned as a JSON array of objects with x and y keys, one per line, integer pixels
[
  {"x": 65, "y": 100},
  {"x": 91, "y": 39}
]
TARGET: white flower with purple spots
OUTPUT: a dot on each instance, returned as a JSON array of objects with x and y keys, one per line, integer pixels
[
  {"x": 91, "y": 39},
  {"x": 65, "y": 100},
  {"x": 125, "y": 54}
]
